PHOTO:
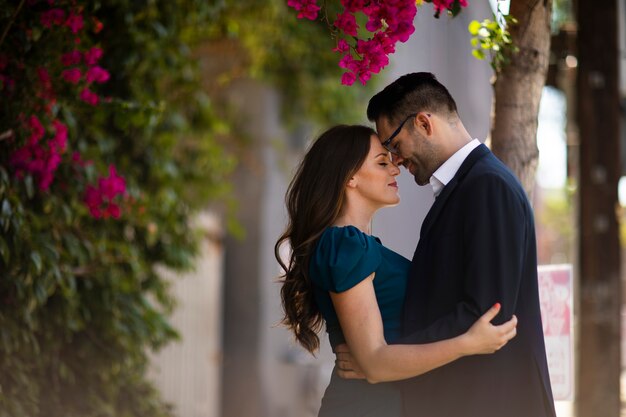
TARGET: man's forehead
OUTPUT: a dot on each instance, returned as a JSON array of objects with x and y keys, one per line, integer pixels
[{"x": 383, "y": 125}]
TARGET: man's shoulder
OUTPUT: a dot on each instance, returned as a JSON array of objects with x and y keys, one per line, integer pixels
[
  {"x": 489, "y": 172},
  {"x": 491, "y": 167}
]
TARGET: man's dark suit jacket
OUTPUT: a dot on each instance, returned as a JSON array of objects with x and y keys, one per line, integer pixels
[{"x": 477, "y": 247}]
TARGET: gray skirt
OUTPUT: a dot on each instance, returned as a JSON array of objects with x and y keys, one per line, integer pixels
[{"x": 359, "y": 398}]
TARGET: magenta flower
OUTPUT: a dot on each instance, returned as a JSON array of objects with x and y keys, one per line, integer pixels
[
  {"x": 44, "y": 76},
  {"x": 92, "y": 56},
  {"x": 349, "y": 63},
  {"x": 74, "y": 22},
  {"x": 59, "y": 141},
  {"x": 348, "y": 78},
  {"x": 93, "y": 200},
  {"x": 354, "y": 5},
  {"x": 376, "y": 15},
  {"x": 71, "y": 58},
  {"x": 112, "y": 185},
  {"x": 97, "y": 74},
  {"x": 72, "y": 75},
  {"x": 89, "y": 97},
  {"x": 308, "y": 9},
  {"x": 99, "y": 199},
  {"x": 53, "y": 16},
  {"x": 46, "y": 92},
  {"x": 342, "y": 46},
  {"x": 37, "y": 159},
  {"x": 37, "y": 130},
  {"x": 346, "y": 22}
]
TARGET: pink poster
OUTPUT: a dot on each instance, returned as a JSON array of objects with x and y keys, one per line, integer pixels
[{"x": 556, "y": 298}]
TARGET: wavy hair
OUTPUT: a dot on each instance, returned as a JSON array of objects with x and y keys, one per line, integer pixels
[{"x": 314, "y": 200}]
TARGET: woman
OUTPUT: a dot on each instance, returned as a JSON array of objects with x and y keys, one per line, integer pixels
[{"x": 340, "y": 275}]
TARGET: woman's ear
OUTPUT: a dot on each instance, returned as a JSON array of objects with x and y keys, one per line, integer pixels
[{"x": 352, "y": 183}]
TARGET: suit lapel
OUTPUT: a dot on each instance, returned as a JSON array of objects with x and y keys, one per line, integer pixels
[{"x": 440, "y": 201}]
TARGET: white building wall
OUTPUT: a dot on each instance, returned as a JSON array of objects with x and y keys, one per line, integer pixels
[
  {"x": 441, "y": 46},
  {"x": 188, "y": 372}
]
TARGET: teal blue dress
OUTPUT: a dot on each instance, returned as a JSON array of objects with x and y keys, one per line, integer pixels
[{"x": 344, "y": 256}]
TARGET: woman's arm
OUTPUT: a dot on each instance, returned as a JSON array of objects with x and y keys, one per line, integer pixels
[{"x": 361, "y": 322}]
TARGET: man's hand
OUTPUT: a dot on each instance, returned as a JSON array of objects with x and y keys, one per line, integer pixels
[{"x": 347, "y": 367}]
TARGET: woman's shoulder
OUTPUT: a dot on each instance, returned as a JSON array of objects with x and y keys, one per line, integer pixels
[{"x": 344, "y": 255}]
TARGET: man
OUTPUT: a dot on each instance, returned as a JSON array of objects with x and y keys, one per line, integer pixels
[{"x": 477, "y": 247}]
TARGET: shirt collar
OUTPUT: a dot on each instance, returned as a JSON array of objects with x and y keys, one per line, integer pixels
[{"x": 444, "y": 174}]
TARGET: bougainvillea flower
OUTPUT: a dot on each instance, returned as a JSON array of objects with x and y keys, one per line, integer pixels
[
  {"x": 97, "y": 74},
  {"x": 71, "y": 58},
  {"x": 92, "y": 56},
  {"x": 89, "y": 97},
  {"x": 72, "y": 75}
]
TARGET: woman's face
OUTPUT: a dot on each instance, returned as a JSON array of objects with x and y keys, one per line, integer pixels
[{"x": 375, "y": 182}]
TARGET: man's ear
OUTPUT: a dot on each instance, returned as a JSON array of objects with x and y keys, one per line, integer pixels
[{"x": 423, "y": 121}]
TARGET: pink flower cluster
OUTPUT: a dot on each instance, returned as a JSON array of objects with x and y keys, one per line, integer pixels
[
  {"x": 46, "y": 136},
  {"x": 441, "y": 5},
  {"x": 73, "y": 74},
  {"x": 74, "y": 22},
  {"x": 388, "y": 22},
  {"x": 99, "y": 199},
  {"x": 307, "y": 9},
  {"x": 38, "y": 158},
  {"x": 93, "y": 72}
]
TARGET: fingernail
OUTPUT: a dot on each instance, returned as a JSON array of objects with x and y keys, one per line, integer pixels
[{"x": 497, "y": 305}]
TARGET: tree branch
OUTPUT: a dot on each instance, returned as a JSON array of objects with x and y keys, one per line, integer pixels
[
  {"x": 6, "y": 30},
  {"x": 6, "y": 135}
]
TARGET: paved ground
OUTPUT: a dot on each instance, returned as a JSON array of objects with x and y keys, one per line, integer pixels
[{"x": 566, "y": 408}]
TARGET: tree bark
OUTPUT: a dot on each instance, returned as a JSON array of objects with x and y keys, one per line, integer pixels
[
  {"x": 598, "y": 117},
  {"x": 517, "y": 90}
]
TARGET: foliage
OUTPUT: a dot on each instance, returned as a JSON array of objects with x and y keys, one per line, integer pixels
[
  {"x": 493, "y": 39},
  {"x": 562, "y": 14},
  {"x": 103, "y": 192},
  {"x": 80, "y": 297},
  {"x": 366, "y": 32},
  {"x": 279, "y": 52}
]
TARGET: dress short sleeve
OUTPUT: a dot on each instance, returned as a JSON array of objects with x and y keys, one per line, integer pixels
[{"x": 344, "y": 256}]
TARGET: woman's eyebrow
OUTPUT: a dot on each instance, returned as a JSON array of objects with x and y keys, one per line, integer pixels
[{"x": 382, "y": 154}]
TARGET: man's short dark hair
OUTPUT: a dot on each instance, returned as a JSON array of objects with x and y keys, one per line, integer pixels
[{"x": 411, "y": 93}]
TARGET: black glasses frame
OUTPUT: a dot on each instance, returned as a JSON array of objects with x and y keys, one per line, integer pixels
[{"x": 387, "y": 143}]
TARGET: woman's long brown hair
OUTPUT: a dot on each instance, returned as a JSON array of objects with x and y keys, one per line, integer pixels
[{"x": 314, "y": 200}]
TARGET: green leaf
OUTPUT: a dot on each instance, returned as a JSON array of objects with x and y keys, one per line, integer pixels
[
  {"x": 478, "y": 54},
  {"x": 6, "y": 209},
  {"x": 4, "y": 251},
  {"x": 36, "y": 259},
  {"x": 30, "y": 188},
  {"x": 473, "y": 27}
]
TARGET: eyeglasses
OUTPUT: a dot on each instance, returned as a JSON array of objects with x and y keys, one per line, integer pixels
[{"x": 387, "y": 144}]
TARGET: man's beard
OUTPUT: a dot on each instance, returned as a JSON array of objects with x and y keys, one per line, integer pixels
[{"x": 419, "y": 173}]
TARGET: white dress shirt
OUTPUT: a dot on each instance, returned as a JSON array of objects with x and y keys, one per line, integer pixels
[{"x": 448, "y": 169}]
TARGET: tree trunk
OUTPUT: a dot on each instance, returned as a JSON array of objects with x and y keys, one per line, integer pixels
[
  {"x": 598, "y": 117},
  {"x": 517, "y": 90}
]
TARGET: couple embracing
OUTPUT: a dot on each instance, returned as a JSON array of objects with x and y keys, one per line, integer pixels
[{"x": 437, "y": 336}]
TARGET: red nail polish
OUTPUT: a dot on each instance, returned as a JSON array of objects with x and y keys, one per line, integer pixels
[{"x": 497, "y": 305}]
